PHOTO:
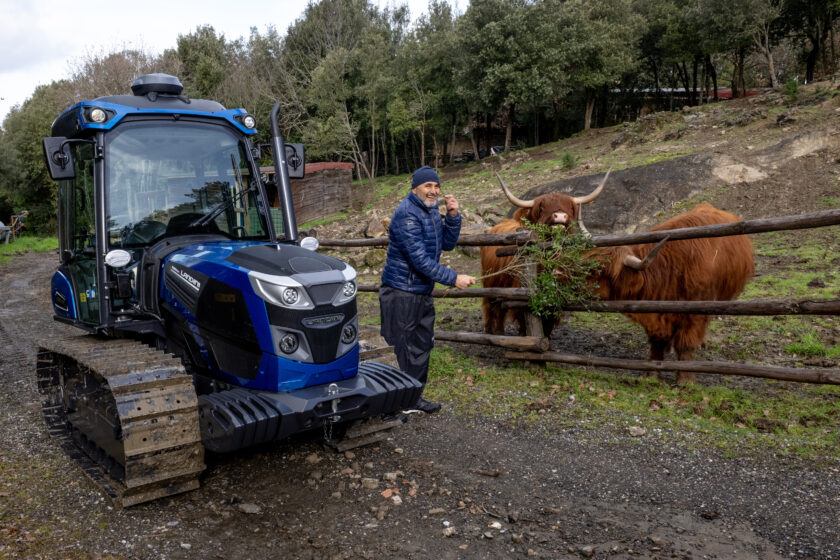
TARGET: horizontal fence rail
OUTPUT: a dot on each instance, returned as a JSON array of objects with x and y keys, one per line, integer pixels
[
  {"x": 519, "y": 298},
  {"x": 536, "y": 346},
  {"x": 477, "y": 239},
  {"x": 829, "y": 376},
  {"x": 756, "y": 307},
  {"x": 822, "y": 218}
]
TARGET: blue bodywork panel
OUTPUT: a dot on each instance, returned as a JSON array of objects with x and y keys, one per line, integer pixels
[
  {"x": 120, "y": 111},
  {"x": 61, "y": 288},
  {"x": 208, "y": 265}
]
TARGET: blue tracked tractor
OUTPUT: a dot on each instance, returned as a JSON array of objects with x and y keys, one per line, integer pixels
[{"x": 210, "y": 324}]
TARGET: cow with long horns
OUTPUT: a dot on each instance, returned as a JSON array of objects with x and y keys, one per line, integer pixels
[
  {"x": 703, "y": 269},
  {"x": 555, "y": 209}
]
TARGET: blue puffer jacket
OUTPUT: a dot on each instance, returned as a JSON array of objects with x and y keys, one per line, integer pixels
[{"x": 418, "y": 233}]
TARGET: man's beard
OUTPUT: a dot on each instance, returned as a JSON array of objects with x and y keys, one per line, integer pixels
[{"x": 430, "y": 204}]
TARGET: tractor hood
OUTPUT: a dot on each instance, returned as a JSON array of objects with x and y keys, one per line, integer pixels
[{"x": 275, "y": 316}]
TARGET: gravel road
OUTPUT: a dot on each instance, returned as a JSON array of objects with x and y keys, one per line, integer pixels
[{"x": 441, "y": 487}]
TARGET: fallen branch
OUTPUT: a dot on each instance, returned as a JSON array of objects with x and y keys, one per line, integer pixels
[{"x": 520, "y": 343}]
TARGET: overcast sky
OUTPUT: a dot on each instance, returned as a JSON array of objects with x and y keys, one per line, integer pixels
[{"x": 41, "y": 39}]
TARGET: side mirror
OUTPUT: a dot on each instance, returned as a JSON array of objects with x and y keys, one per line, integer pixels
[
  {"x": 58, "y": 157},
  {"x": 295, "y": 161}
]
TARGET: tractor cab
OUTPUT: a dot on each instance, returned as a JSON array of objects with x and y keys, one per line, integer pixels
[{"x": 145, "y": 171}]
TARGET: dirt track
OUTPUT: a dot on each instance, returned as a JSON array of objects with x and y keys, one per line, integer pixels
[{"x": 554, "y": 494}]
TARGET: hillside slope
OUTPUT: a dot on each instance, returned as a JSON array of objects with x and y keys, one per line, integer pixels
[{"x": 763, "y": 156}]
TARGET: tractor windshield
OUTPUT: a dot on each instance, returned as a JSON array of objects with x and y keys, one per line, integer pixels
[{"x": 170, "y": 179}]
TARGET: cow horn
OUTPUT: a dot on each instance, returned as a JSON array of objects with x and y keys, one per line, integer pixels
[
  {"x": 594, "y": 194},
  {"x": 515, "y": 201},
  {"x": 636, "y": 263}
]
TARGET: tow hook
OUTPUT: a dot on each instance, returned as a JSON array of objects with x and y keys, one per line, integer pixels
[{"x": 332, "y": 390}]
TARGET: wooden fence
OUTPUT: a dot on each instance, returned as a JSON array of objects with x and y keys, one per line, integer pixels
[{"x": 535, "y": 345}]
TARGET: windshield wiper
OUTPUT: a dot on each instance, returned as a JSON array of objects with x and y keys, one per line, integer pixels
[{"x": 219, "y": 208}]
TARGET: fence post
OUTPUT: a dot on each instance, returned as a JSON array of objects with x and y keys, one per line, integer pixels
[{"x": 533, "y": 324}]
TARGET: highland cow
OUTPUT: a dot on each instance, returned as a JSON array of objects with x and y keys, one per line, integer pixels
[{"x": 556, "y": 209}]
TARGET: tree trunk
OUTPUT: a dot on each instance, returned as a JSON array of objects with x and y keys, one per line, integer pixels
[
  {"x": 536, "y": 126},
  {"x": 436, "y": 151},
  {"x": 713, "y": 75},
  {"x": 682, "y": 71},
  {"x": 452, "y": 144},
  {"x": 509, "y": 129},
  {"x": 762, "y": 43},
  {"x": 590, "y": 104},
  {"x": 358, "y": 156},
  {"x": 373, "y": 156},
  {"x": 694, "y": 93},
  {"x": 406, "y": 150},
  {"x": 734, "y": 84},
  {"x": 655, "y": 70},
  {"x": 394, "y": 157},
  {"x": 811, "y": 58},
  {"x": 487, "y": 135},
  {"x": 422, "y": 145},
  {"x": 473, "y": 139},
  {"x": 385, "y": 151}
]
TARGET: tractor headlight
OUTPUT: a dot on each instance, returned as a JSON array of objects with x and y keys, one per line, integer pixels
[
  {"x": 289, "y": 343},
  {"x": 348, "y": 334},
  {"x": 249, "y": 121},
  {"x": 280, "y": 290},
  {"x": 98, "y": 116},
  {"x": 348, "y": 289},
  {"x": 290, "y": 296}
]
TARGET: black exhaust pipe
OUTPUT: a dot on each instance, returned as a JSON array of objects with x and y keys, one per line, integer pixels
[{"x": 281, "y": 173}]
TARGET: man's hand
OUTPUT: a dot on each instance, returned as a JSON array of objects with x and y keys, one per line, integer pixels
[
  {"x": 451, "y": 205},
  {"x": 464, "y": 280}
]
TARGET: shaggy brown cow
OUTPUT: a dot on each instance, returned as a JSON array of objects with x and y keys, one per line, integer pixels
[
  {"x": 559, "y": 209},
  {"x": 713, "y": 268}
]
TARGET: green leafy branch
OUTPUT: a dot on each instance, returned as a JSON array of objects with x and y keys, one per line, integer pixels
[{"x": 563, "y": 267}]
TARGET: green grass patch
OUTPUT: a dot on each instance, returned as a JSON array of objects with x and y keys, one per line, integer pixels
[
  {"x": 808, "y": 344},
  {"x": 27, "y": 244},
  {"x": 735, "y": 420},
  {"x": 828, "y": 202}
]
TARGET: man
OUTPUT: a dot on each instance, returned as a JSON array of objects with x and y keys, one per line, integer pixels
[{"x": 418, "y": 233}]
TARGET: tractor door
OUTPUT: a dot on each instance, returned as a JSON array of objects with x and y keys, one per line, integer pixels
[{"x": 77, "y": 234}]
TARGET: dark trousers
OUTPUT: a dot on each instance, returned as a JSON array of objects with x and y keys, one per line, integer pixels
[{"x": 408, "y": 324}]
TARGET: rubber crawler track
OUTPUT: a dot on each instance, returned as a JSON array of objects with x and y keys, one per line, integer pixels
[{"x": 158, "y": 437}]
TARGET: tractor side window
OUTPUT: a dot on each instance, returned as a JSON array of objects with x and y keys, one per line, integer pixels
[
  {"x": 78, "y": 196},
  {"x": 77, "y": 233}
]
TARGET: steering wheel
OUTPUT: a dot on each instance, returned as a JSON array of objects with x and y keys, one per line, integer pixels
[{"x": 143, "y": 232}]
